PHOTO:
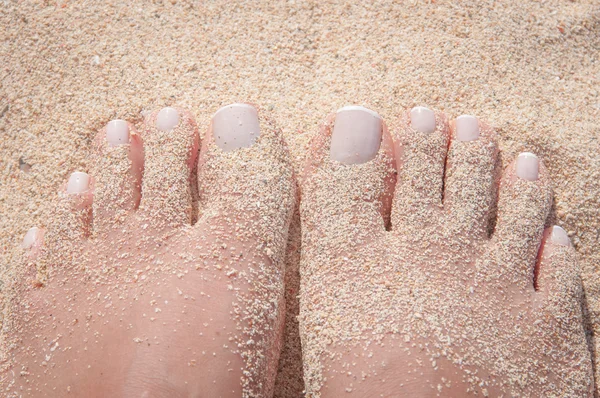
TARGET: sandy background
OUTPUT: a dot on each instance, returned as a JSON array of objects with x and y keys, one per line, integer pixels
[{"x": 530, "y": 68}]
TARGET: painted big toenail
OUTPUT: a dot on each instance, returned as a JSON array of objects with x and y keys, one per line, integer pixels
[
  {"x": 356, "y": 135},
  {"x": 117, "y": 132},
  {"x": 78, "y": 182},
  {"x": 528, "y": 166},
  {"x": 236, "y": 126},
  {"x": 30, "y": 238},
  {"x": 559, "y": 236},
  {"x": 167, "y": 119},
  {"x": 422, "y": 119},
  {"x": 467, "y": 128}
]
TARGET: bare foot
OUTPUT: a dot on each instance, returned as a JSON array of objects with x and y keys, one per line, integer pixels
[
  {"x": 452, "y": 297},
  {"x": 122, "y": 300}
]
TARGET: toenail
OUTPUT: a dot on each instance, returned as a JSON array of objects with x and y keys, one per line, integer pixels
[
  {"x": 356, "y": 135},
  {"x": 167, "y": 119},
  {"x": 78, "y": 182},
  {"x": 422, "y": 119},
  {"x": 117, "y": 132},
  {"x": 559, "y": 236},
  {"x": 528, "y": 166},
  {"x": 467, "y": 128},
  {"x": 30, "y": 238},
  {"x": 236, "y": 126}
]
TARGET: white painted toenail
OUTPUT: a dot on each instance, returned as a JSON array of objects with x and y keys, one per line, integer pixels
[
  {"x": 30, "y": 237},
  {"x": 422, "y": 119},
  {"x": 78, "y": 182},
  {"x": 236, "y": 126},
  {"x": 356, "y": 135},
  {"x": 167, "y": 119},
  {"x": 559, "y": 236},
  {"x": 467, "y": 128},
  {"x": 528, "y": 166},
  {"x": 117, "y": 132}
]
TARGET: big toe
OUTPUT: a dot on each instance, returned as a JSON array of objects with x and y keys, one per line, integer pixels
[
  {"x": 348, "y": 182},
  {"x": 245, "y": 180}
]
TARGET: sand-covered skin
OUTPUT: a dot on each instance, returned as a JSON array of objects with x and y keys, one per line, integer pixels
[
  {"x": 528, "y": 68},
  {"x": 127, "y": 301},
  {"x": 434, "y": 306}
]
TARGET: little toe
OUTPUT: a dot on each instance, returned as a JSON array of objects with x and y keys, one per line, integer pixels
[
  {"x": 559, "y": 298},
  {"x": 420, "y": 154},
  {"x": 245, "y": 178},
  {"x": 470, "y": 176},
  {"x": 556, "y": 271},
  {"x": 118, "y": 170},
  {"x": 524, "y": 203},
  {"x": 170, "y": 150},
  {"x": 348, "y": 180}
]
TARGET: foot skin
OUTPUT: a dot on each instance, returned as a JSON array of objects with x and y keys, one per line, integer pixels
[
  {"x": 124, "y": 297},
  {"x": 415, "y": 282}
]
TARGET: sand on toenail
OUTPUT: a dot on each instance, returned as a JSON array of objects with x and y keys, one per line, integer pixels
[
  {"x": 527, "y": 67},
  {"x": 447, "y": 300},
  {"x": 246, "y": 202}
]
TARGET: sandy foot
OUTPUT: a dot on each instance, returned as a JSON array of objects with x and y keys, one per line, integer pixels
[
  {"x": 425, "y": 273},
  {"x": 123, "y": 296}
]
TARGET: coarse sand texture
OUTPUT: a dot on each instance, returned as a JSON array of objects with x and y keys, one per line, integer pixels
[{"x": 528, "y": 68}]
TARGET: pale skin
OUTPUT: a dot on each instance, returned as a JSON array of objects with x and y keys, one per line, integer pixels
[
  {"x": 139, "y": 302},
  {"x": 433, "y": 305},
  {"x": 106, "y": 324}
]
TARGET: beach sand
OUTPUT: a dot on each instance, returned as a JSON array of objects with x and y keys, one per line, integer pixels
[{"x": 529, "y": 68}]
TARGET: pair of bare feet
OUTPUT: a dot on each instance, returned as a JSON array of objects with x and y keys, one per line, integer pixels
[{"x": 415, "y": 280}]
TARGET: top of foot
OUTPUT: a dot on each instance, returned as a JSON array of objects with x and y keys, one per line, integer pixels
[
  {"x": 123, "y": 296},
  {"x": 416, "y": 281}
]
